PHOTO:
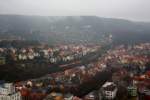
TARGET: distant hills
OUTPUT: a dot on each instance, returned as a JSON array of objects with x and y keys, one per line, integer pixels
[{"x": 72, "y": 29}]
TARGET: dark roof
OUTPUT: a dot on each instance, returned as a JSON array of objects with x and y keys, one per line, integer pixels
[{"x": 110, "y": 87}]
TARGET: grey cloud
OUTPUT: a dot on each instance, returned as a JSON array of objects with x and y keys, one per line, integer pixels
[{"x": 127, "y": 9}]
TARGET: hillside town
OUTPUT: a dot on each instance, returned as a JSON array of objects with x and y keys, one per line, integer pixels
[
  {"x": 74, "y": 50},
  {"x": 121, "y": 73}
]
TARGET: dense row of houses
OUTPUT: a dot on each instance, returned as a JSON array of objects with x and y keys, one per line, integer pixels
[{"x": 57, "y": 54}]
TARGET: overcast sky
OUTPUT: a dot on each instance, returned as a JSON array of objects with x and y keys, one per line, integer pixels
[{"x": 128, "y": 9}]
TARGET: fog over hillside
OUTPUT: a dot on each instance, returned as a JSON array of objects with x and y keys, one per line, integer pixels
[{"x": 72, "y": 28}]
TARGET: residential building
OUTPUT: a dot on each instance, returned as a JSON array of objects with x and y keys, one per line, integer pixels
[
  {"x": 132, "y": 91},
  {"x": 109, "y": 90},
  {"x": 7, "y": 92}
]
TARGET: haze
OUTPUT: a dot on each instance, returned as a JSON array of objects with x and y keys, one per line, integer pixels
[{"x": 127, "y": 9}]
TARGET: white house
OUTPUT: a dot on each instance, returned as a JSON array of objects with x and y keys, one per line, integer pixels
[
  {"x": 30, "y": 56},
  {"x": 109, "y": 90},
  {"x": 7, "y": 92}
]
